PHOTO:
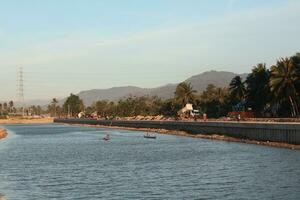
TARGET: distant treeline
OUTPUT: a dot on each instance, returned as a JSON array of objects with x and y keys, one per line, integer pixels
[
  {"x": 9, "y": 108},
  {"x": 6, "y": 108},
  {"x": 267, "y": 92}
]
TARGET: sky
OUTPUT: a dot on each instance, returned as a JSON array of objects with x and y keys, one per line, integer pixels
[{"x": 65, "y": 46}]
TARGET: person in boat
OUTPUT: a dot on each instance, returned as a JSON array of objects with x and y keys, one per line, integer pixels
[{"x": 106, "y": 137}]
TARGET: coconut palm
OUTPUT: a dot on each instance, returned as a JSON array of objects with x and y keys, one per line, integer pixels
[
  {"x": 257, "y": 89},
  {"x": 53, "y": 104},
  {"x": 184, "y": 93},
  {"x": 296, "y": 62},
  {"x": 11, "y": 105},
  {"x": 237, "y": 88},
  {"x": 221, "y": 94},
  {"x": 283, "y": 80},
  {"x": 213, "y": 93},
  {"x": 5, "y": 106}
]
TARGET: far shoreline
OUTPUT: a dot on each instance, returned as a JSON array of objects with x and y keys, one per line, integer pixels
[
  {"x": 26, "y": 121},
  {"x": 217, "y": 137}
]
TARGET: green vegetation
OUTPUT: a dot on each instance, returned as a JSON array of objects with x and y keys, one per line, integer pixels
[
  {"x": 284, "y": 82},
  {"x": 214, "y": 101},
  {"x": 53, "y": 109},
  {"x": 7, "y": 108},
  {"x": 130, "y": 106},
  {"x": 271, "y": 92},
  {"x": 258, "y": 92},
  {"x": 267, "y": 92},
  {"x": 237, "y": 88},
  {"x": 73, "y": 105},
  {"x": 184, "y": 94}
]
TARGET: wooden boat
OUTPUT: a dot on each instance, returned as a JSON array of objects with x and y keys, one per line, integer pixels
[
  {"x": 148, "y": 136},
  {"x": 106, "y": 137}
]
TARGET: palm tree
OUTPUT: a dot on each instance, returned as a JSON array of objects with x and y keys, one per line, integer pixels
[
  {"x": 283, "y": 80},
  {"x": 221, "y": 94},
  {"x": 296, "y": 63},
  {"x": 237, "y": 88},
  {"x": 5, "y": 106},
  {"x": 257, "y": 89},
  {"x": 184, "y": 93},
  {"x": 53, "y": 103},
  {"x": 11, "y": 105}
]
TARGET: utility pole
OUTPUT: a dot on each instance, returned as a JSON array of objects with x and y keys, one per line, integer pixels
[{"x": 20, "y": 89}]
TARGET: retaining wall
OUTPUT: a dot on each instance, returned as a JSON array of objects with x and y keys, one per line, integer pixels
[{"x": 273, "y": 132}]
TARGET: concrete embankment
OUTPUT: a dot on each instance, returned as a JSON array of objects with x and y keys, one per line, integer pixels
[
  {"x": 3, "y": 133},
  {"x": 288, "y": 133}
]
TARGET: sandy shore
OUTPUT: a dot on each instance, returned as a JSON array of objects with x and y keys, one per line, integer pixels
[
  {"x": 2, "y": 197},
  {"x": 3, "y": 133},
  {"x": 203, "y": 136},
  {"x": 26, "y": 121}
]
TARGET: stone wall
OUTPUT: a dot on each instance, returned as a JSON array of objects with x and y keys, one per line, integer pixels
[{"x": 273, "y": 132}]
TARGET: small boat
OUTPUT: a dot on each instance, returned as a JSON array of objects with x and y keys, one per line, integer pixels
[
  {"x": 106, "y": 137},
  {"x": 148, "y": 136}
]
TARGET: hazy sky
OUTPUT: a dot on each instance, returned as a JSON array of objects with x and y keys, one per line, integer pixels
[{"x": 66, "y": 46}]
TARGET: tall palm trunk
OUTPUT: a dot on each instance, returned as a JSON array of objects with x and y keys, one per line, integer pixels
[
  {"x": 293, "y": 107},
  {"x": 296, "y": 107}
]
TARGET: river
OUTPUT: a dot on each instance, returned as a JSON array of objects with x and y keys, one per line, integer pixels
[{"x": 67, "y": 162}]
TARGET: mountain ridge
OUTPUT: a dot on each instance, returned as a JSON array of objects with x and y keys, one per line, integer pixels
[{"x": 199, "y": 83}]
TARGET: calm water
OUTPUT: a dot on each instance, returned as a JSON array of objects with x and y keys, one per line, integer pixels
[{"x": 65, "y": 162}]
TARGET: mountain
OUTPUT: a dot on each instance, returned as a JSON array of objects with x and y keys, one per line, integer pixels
[
  {"x": 218, "y": 78},
  {"x": 112, "y": 94},
  {"x": 199, "y": 83}
]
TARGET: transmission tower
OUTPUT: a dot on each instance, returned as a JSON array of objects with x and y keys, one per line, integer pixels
[{"x": 20, "y": 88}]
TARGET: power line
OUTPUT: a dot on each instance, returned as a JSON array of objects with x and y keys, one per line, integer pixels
[{"x": 20, "y": 88}]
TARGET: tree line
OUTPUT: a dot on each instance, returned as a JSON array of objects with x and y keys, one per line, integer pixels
[
  {"x": 271, "y": 91},
  {"x": 6, "y": 108},
  {"x": 9, "y": 109},
  {"x": 267, "y": 92}
]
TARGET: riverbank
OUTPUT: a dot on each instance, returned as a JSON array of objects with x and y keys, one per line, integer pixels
[
  {"x": 201, "y": 136},
  {"x": 26, "y": 121},
  {"x": 3, "y": 134},
  {"x": 263, "y": 132}
]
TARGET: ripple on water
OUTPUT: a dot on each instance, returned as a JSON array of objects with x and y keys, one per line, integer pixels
[{"x": 65, "y": 162}]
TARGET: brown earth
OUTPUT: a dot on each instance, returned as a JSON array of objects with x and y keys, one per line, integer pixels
[{"x": 26, "y": 121}]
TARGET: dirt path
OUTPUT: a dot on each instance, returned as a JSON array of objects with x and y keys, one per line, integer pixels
[{"x": 26, "y": 121}]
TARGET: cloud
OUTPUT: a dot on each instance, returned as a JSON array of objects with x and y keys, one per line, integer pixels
[
  {"x": 233, "y": 42},
  {"x": 238, "y": 39}
]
